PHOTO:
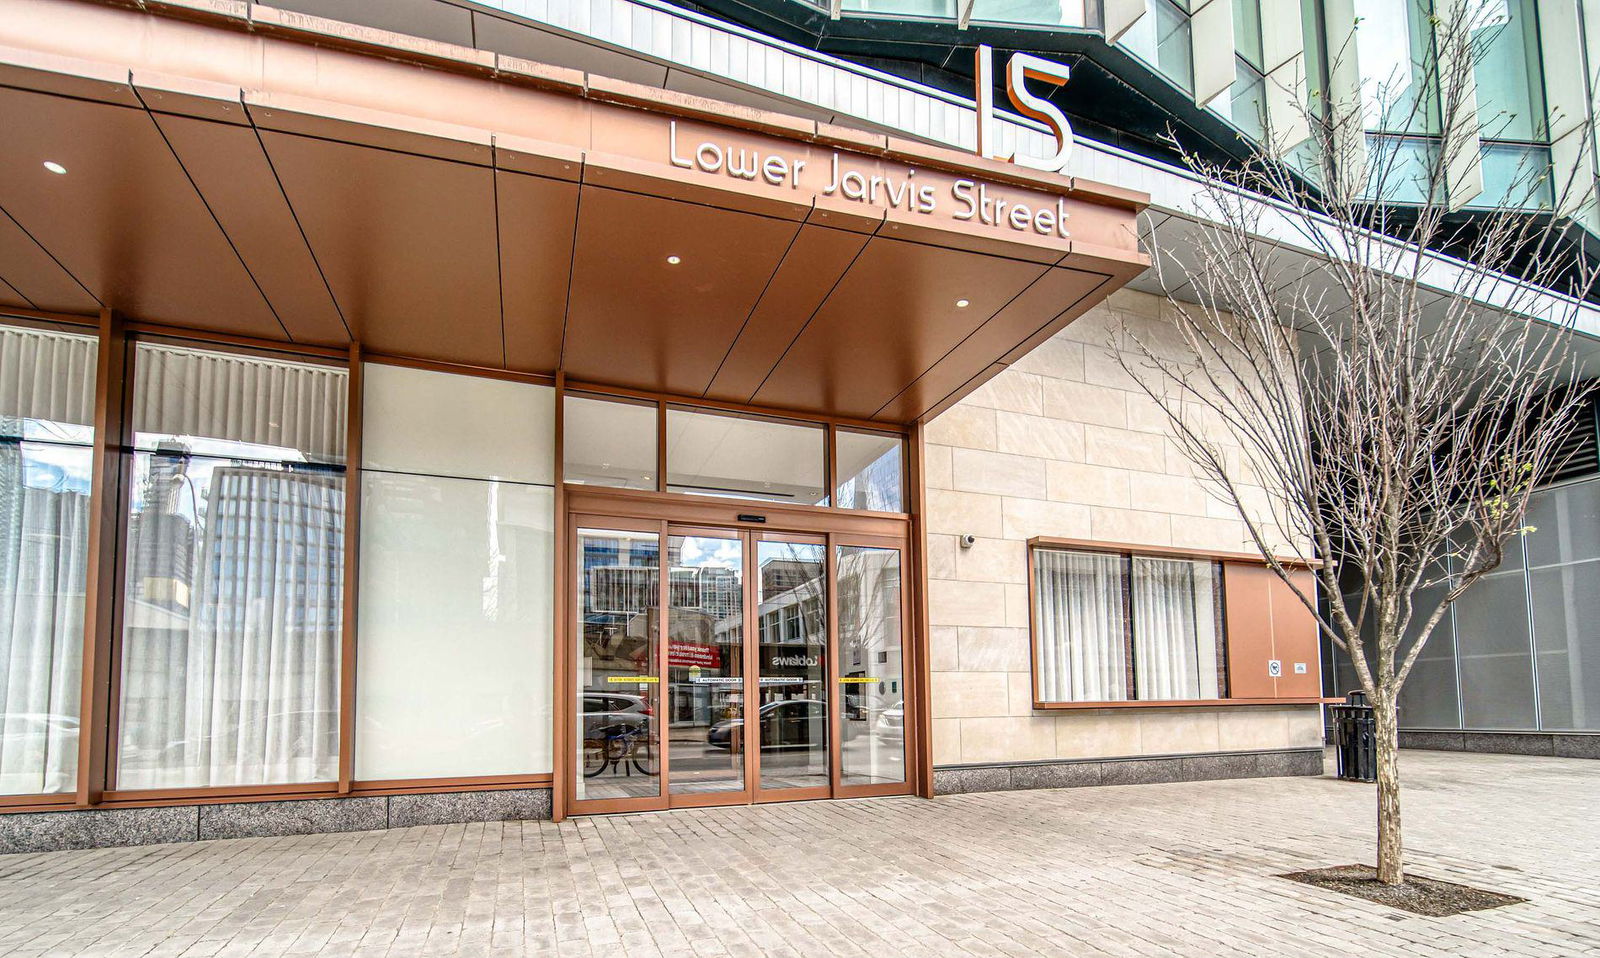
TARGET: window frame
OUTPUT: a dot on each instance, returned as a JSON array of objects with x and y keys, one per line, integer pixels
[{"x": 1221, "y": 560}]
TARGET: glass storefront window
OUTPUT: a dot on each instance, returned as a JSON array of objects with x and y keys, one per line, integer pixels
[
  {"x": 47, "y": 386},
  {"x": 871, "y": 470},
  {"x": 235, "y": 564},
  {"x": 454, "y": 678},
  {"x": 609, "y": 442},
  {"x": 716, "y": 454},
  {"x": 1161, "y": 39},
  {"x": 1507, "y": 69}
]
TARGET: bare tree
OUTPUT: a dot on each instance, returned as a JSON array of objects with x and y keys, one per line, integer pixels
[{"x": 1373, "y": 380}]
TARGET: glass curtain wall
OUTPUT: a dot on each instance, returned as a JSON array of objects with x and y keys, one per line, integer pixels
[
  {"x": 1399, "y": 99},
  {"x": 47, "y": 387},
  {"x": 1244, "y": 104},
  {"x": 235, "y": 562},
  {"x": 456, "y": 632},
  {"x": 1162, "y": 39},
  {"x": 1512, "y": 118}
]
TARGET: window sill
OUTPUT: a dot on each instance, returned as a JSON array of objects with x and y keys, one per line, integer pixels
[{"x": 1186, "y": 703}]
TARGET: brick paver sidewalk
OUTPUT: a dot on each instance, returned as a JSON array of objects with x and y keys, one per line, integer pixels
[{"x": 1134, "y": 870}]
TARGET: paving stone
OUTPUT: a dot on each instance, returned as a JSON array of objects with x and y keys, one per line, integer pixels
[{"x": 1176, "y": 869}]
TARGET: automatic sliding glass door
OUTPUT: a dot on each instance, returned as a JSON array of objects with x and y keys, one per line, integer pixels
[
  {"x": 781, "y": 675},
  {"x": 706, "y": 672},
  {"x": 617, "y": 637},
  {"x": 793, "y": 668},
  {"x": 871, "y": 663}
]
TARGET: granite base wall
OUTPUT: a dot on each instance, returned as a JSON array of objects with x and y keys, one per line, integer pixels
[
  {"x": 1142, "y": 770},
  {"x": 1553, "y": 744},
  {"x": 110, "y": 827}
]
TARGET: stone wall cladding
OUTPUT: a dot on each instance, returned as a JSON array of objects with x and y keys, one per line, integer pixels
[
  {"x": 1554, "y": 744},
  {"x": 1064, "y": 443},
  {"x": 1140, "y": 770},
  {"x": 112, "y": 827}
]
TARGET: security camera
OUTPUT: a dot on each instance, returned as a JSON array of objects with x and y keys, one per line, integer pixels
[{"x": 968, "y": 541}]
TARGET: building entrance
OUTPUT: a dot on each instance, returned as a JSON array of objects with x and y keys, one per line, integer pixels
[{"x": 722, "y": 665}]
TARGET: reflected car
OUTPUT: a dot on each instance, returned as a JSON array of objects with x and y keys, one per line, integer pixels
[
  {"x": 892, "y": 723},
  {"x": 612, "y": 710},
  {"x": 792, "y": 723}
]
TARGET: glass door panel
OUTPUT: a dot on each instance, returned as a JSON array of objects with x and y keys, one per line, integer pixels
[
  {"x": 618, "y": 653},
  {"x": 792, "y": 670},
  {"x": 872, "y": 706},
  {"x": 705, "y": 664}
]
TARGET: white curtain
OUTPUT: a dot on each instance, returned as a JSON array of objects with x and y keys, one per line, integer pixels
[
  {"x": 241, "y": 399},
  {"x": 1174, "y": 629},
  {"x": 235, "y": 568},
  {"x": 1081, "y": 626},
  {"x": 46, "y": 398}
]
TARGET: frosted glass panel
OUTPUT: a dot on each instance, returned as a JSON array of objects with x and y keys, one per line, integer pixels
[
  {"x": 1566, "y": 608},
  {"x": 442, "y": 424},
  {"x": 1428, "y": 699},
  {"x": 1496, "y": 661},
  {"x": 1566, "y": 524},
  {"x": 456, "y": 632}
]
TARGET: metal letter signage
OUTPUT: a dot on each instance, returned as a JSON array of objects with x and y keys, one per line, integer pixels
[{"x": 1019, "y": 70}]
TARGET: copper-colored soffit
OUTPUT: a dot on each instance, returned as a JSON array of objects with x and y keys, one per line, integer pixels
[{"x": 311, "y": 182}]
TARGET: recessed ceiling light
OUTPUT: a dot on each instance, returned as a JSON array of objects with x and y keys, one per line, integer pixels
[
  {"x": 961, "y": 304},
  {"x": 54, "y": 167},
  {"x": 674, "y": 260}
]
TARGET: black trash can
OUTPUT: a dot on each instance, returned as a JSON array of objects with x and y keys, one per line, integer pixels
[{"x": 1355, "y": 739}]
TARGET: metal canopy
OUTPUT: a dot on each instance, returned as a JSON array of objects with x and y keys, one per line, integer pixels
[{"x": 497, "y": 213}]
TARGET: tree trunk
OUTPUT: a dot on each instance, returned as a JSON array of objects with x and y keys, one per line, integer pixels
[{"x": 1390, "y": 848}]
